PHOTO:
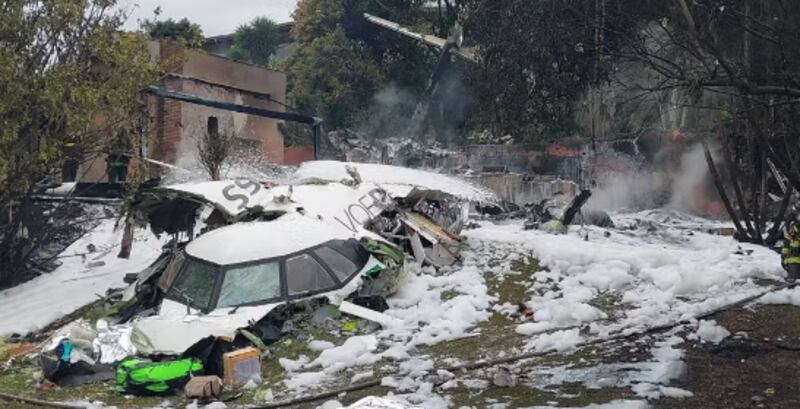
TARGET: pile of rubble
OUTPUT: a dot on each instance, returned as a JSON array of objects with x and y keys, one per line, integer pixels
[{"x": 347, "y": 145}]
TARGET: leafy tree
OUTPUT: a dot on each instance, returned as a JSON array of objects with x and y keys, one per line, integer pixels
[
  {"x": 183, "y": 31},
  {"x": 334, "y": 76},
  {"x": 69, "y": 77},
  {"x": 315, "y": 18},
  {"x": 256, "y": 41},
  {"x": 325, "y": 27}
]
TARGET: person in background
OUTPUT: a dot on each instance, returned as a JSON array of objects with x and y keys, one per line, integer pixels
[{"x": 790, "y": 252}]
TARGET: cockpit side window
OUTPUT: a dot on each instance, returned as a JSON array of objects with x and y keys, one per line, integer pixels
[
  {"x": 342, "y": 267},
  {"x": 195, "y": 284},
  {"x": 305, "y": 275},
  {"x": 351, "y": 249}
]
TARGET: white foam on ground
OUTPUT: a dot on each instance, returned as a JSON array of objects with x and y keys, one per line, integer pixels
[
  {"x": 35, "y": 304},
  {"x": 663, "y": 267},
  {"x": 789, "y": 296},
  {"x": 712, "y": 332}
]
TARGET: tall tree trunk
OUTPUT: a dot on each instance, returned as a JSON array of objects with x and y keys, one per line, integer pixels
[
  {"x": 721, "y": 189},
  {"x": 737, "y": 188},
  {"x": 127, "y": 240}
]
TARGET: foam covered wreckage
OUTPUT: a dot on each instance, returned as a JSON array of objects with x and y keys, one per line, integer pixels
[{"x": 247, "y": 259}]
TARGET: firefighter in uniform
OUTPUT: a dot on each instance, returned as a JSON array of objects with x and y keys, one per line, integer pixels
[{"x": 790, "y": 252}]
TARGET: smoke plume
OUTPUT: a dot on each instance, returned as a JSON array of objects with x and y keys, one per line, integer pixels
[{"x": 681, "y": 186}]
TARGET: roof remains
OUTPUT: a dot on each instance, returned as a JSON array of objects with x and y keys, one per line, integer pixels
[{"x": 243, "y": 242}]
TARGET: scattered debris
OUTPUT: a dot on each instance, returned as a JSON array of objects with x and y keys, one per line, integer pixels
[{"x": 223, "y": 284}]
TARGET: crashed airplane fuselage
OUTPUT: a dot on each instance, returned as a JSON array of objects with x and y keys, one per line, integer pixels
[
  {"x": 394, "y": 202},
  {"x": 226, "y": 279},
  {"x": 260, "y": 247}
]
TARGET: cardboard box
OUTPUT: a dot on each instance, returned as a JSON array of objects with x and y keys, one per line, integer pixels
[{"x": 241, "y": 366}]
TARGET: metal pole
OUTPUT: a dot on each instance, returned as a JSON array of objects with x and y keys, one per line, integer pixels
[
  {"x": 315, "y": 134},
  {"x": 266, "y": 113}
]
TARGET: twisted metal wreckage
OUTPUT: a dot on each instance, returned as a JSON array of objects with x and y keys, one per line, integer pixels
[
  {"x": 245, "y": 256},
  {"x": 335, "y": 235}
]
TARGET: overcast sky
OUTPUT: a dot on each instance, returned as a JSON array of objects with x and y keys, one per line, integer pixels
[{"x": 215, "y": 17}]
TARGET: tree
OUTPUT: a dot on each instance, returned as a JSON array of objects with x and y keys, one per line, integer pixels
[
  {"x": 335, "y": 77},
  {"x": 735, "y": 59},
  {"x": 339, "y": 51},
  {"x": 183, "y": 31},
  {"x": 539, "y": 59},
  {"x": 63, "y": 67},
  {"x": 214, "y": 148},
  {"x": 256, "y": 41}
]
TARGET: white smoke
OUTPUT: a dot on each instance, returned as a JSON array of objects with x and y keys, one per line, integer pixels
[
  {"x": 399, "y": 112},
  {"x": 390, "y": 113},
  {"x": 627, "y": 191},
  {"x": 683, "y": 187},
  {"x": 688, "y": 183}
]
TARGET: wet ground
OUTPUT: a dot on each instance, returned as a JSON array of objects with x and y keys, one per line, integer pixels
[{"x": 758, "y": 368}]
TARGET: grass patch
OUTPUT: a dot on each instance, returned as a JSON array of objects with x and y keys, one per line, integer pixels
[
  {"x": 20, "y": 382},
  {"x": 578, "y": 395},
  {"x": 515, "y": 396}
]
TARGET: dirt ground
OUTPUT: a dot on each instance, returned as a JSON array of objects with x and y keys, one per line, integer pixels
[{"x": 758, "y": 368}]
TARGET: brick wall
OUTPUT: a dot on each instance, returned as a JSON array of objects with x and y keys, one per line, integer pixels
[
  {"x": 166, "y": 124},
  {"x": 295, "y": 155},
  {"x": 222, "y": 80}
]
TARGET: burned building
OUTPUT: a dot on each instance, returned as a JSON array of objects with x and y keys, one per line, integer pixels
[{"x": 174, "y": 128}]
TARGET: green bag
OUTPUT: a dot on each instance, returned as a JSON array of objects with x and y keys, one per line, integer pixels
[{"x": 143, "y": 377}]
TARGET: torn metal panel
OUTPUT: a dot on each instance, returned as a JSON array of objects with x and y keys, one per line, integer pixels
[
  {"x": 440, "y": 255},
  {"x": 175, "y": 208},
  {"x": 443, "y": 246},
  {"x": 172, "y": 331},
  {"x": 416, "y": 247},
  {"x": 386, "y": 321},
  {"x": 429, "y": 229},
  {"x": 351, "y": 207}
]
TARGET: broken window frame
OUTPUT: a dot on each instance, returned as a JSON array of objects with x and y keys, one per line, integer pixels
[{"x": 220, "y": 272}]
